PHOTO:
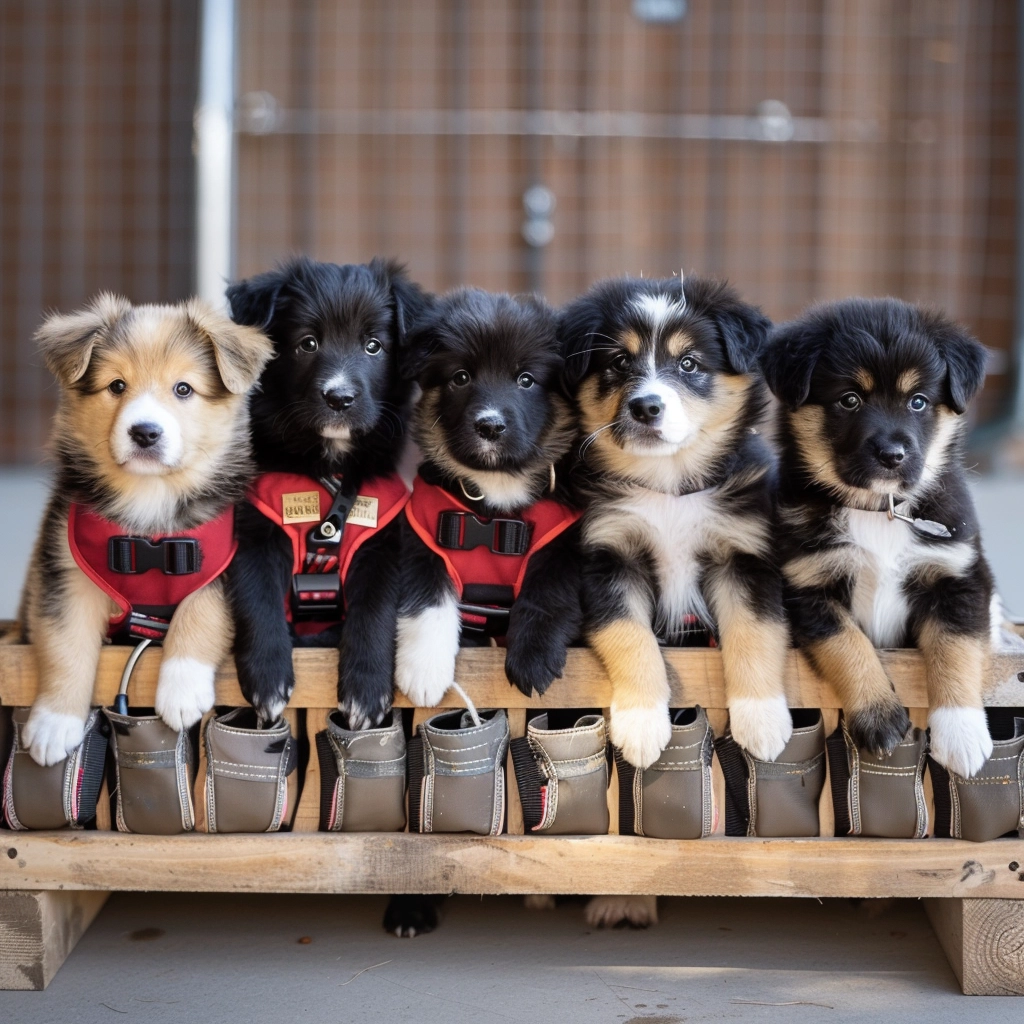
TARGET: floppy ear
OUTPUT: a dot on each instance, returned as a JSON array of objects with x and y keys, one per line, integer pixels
[
  {"x": 965, "y": 361},
  {"x": 419, "y": 343},
  {"x": 67, "y": 340},
  {"x": 579, "y": 324},
  {"x": 241, "y": 352},
  {"x": 411, "y": 303},
  {"x": 789, "y": 359},
  {"x": 744, "y": 329},
  {"x": 254, "y": 300}
]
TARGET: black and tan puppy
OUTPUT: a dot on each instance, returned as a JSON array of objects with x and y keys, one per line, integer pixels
[
  {"x": 151, "y": 441},
  {"x": 490, "y": 547},
  {"x": 328, "y": 427},
  {"x": 677, "y": 531},
  {"x": 880, "y": 542}
]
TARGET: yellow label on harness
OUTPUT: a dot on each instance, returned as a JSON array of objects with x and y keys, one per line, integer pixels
[
  {"x": 301, "y": 507},
  {"x": 364, "y": 512}
]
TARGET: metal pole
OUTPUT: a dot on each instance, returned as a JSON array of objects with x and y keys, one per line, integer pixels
[{"x": 215, "y": 151}]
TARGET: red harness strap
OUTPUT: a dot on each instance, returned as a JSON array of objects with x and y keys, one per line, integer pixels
[
  {"x": 298, "y": 503},
  {"x": 153, "y": 574},
  {"x": 483, "y": 552}
]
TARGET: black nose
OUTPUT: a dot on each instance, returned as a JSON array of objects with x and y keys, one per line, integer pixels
[
  {"x": 890, "y": 454},
  {"x": 646, "y": 409},
  {"x": 145, "y": 435},
  {"x": 339, "y": 399},
  {"x": 490, "y": 428}
]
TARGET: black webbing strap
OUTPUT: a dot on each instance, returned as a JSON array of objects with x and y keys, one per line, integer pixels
[
  {"x": 737, "y": 802},
  {"x": 414, "y": 767},
  {"x": 839, "y": 776},
  {"x": 328, "y": 778},
  {"x": 529, "y": 780},
  {"x": 627, "y": 806},
  {"x": 173, "y": 556},
  {"x": 94, "y": 756},
  {"x": 462, "y": 531},
  {"x": 943, "y": 801}
]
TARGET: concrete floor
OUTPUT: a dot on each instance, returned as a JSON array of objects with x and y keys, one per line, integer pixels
[{"x": 168, "y": 958}]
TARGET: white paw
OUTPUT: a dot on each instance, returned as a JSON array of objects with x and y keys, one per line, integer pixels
[
  {"x": 960, "y": 739},
  {"x": 51, "y": 735},
  {"x": 608, "y": 911},
  {"x": 640, "y": 733},
  {"x": 184, "y": 691},
  {"x": 762, "y": 726},
  {"x": 539, "y": 901},
  {"x": 427, "y": 646}
]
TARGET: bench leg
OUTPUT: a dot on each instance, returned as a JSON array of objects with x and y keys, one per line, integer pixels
[
  {"x": 37, "y": 932},
  {"x": 984, "y": 941}
]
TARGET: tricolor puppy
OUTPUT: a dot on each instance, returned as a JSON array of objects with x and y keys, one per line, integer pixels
[
  {"x": 879, "y": 540},
  {"x": 678, "y": 527},
  {"x": 318, "y": 537},
  {"x": 151, "y": 441},
  {"x": 490, "y": 545}
]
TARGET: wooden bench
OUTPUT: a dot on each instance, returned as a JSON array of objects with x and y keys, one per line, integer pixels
[{"x": 52, "y": 884}]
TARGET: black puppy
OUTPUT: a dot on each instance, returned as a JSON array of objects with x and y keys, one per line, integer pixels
[
  {"x": 318, "y": 539},
  {"x": 489, "y": 541},
  {"x": 880, "y": 542}
]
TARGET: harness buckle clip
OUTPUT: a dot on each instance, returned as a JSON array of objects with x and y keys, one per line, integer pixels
[
  {"x": 463, "y": 531},
  {"x": 173, "y": 556}
]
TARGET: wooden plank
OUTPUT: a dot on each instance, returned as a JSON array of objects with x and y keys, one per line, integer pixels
[
  {"x": 307, "y": 816},
  {"x": 695, "y": 678},
  {"x": 37, "y": 932},
  {"x": 984, "y": 941},
  {"x": 412, "y": 863}
]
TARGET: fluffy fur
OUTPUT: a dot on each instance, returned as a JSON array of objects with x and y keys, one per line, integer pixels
[
  {"x": 679, "y": 486},
  {"x": 875, "y": 394},
  {"x": 331, "y": 402},
  {"x": 151, "y": 432}
]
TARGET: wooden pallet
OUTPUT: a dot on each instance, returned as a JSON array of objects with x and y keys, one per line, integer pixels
[{"x": 53, "y": 883}]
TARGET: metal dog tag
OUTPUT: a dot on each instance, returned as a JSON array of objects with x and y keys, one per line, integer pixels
[{"x": 925, "y": 526}]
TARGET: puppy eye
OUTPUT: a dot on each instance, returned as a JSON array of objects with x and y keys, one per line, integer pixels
[
  {"x": 117, "y": 387},
  {"x": 621, "y": 362},
  {"x": 851, "y": 400},
  {"x": 460, "y": 379},
  {"x": 918, "y": 403},
  {"x": 182, "y": 389},
  {"x": 309, "y": 344},
  {"x": 372, "y": 346},
  {"x": 687, "y": 364},
  {"x": 525, "y": 380}
]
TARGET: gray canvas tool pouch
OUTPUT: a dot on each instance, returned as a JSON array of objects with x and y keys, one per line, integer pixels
[
  {"x": 155, "y": 767},
  {"x": 878, "y": 796},
  {"x": 991, "y": 803},
  {"x": 457, "y": 773},
  {"x": 673, "y": 798},
  {"x": 247, "y": 771},
  {"x": 562, "y": 776},
  {"x": 362, "y": 776},
  {"x": 62, "y": 795}
]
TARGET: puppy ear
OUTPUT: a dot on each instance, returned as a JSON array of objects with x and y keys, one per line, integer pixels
[
  {"x": 789, "y": 360},
  {"x": 965, "y": 361},
  {"x": 67, "y": 340},
  {"x": 410, "y": 301},
  {"x": 241, "y": 351},
  {"x": 579, "y": 324},
  {"x": 254, "y": 300},
  {"x": 744, "y": 330},
  {"x": 420, "y": 343}
]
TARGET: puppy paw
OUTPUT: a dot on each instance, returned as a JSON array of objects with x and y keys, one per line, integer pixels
[
  {"x": 530, "y": 667},
  {"x": 762, "y": 726},
  {"x": 640, "y": 733},
  {"x": 184, "y": 691},
  {"x": 539, "y": 901},
  {"x": 51, "y": 735},
  {"x": 365, "y": 711},
  {"x": 409, "y": 916},
  {"x": 879, "y": 727},
  {"x": 960, "y": 740},
  {"x": 267, "y": 686},
  {"x": 616, "y": 911},
  {"x": 427, "y": 646}
]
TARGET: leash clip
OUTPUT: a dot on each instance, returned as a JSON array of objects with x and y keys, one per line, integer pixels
[{"x": 925, "y": 526}]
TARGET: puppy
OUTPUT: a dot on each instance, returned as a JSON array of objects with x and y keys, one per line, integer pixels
[
  {"x": 680, "y": 489},
  {"x": 151, "y": 441},
  {"x": 880, "y": 541},
  {"x": 490, "y": 546},
  {"x": 318, "y": 537}
]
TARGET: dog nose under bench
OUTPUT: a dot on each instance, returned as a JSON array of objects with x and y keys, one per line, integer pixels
[{"x": 52, "y": 883}]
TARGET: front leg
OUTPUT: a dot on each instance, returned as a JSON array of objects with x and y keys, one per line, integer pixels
[
  {"x": 198, "y": 640},
  {"x": 618, "y": 601},
  {"x": 547, "y": 615},
  {"x": 257, "y": 584},
  {"x": 366, "y": 653},
  {"x": 745, "y": 597},
  {"x": 429, "y": 625}
]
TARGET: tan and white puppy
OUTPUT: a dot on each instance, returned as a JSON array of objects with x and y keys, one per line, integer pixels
[{"x": 151, "y": 434}]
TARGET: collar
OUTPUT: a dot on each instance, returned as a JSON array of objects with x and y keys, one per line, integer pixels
[
  {"x": 467, "y": 492},
  {"x": 901, "y": 511}
]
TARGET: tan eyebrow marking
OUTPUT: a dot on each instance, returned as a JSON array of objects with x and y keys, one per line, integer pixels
[
  {"x": 864, "y": 379},
  {"x": 677, "y": 343},
  {"x": 907, "y": 381},
  {"x": 632, "y": 342}
]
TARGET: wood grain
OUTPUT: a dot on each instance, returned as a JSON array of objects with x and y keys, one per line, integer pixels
[{"x": 984, "y": 942}]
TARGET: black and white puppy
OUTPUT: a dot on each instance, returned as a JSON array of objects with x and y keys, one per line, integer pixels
[
  {"x": 680, "y": 487},
  {"x": 489, "y": 542},
  {"x": 880, "y": 541},
  {"x": 331, "y": 410}
]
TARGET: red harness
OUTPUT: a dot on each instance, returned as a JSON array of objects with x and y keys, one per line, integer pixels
[
  {"x": 298, "y": 504},
  {"x": 483, "y": 554},
  {"x": 148, "y": 577}
]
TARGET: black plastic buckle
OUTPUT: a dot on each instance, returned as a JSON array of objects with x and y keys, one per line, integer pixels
[
  {"x": 316, "y": 595},
  {"x": 462, "y": 531},
  {"x": 173, "y": 556}
]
